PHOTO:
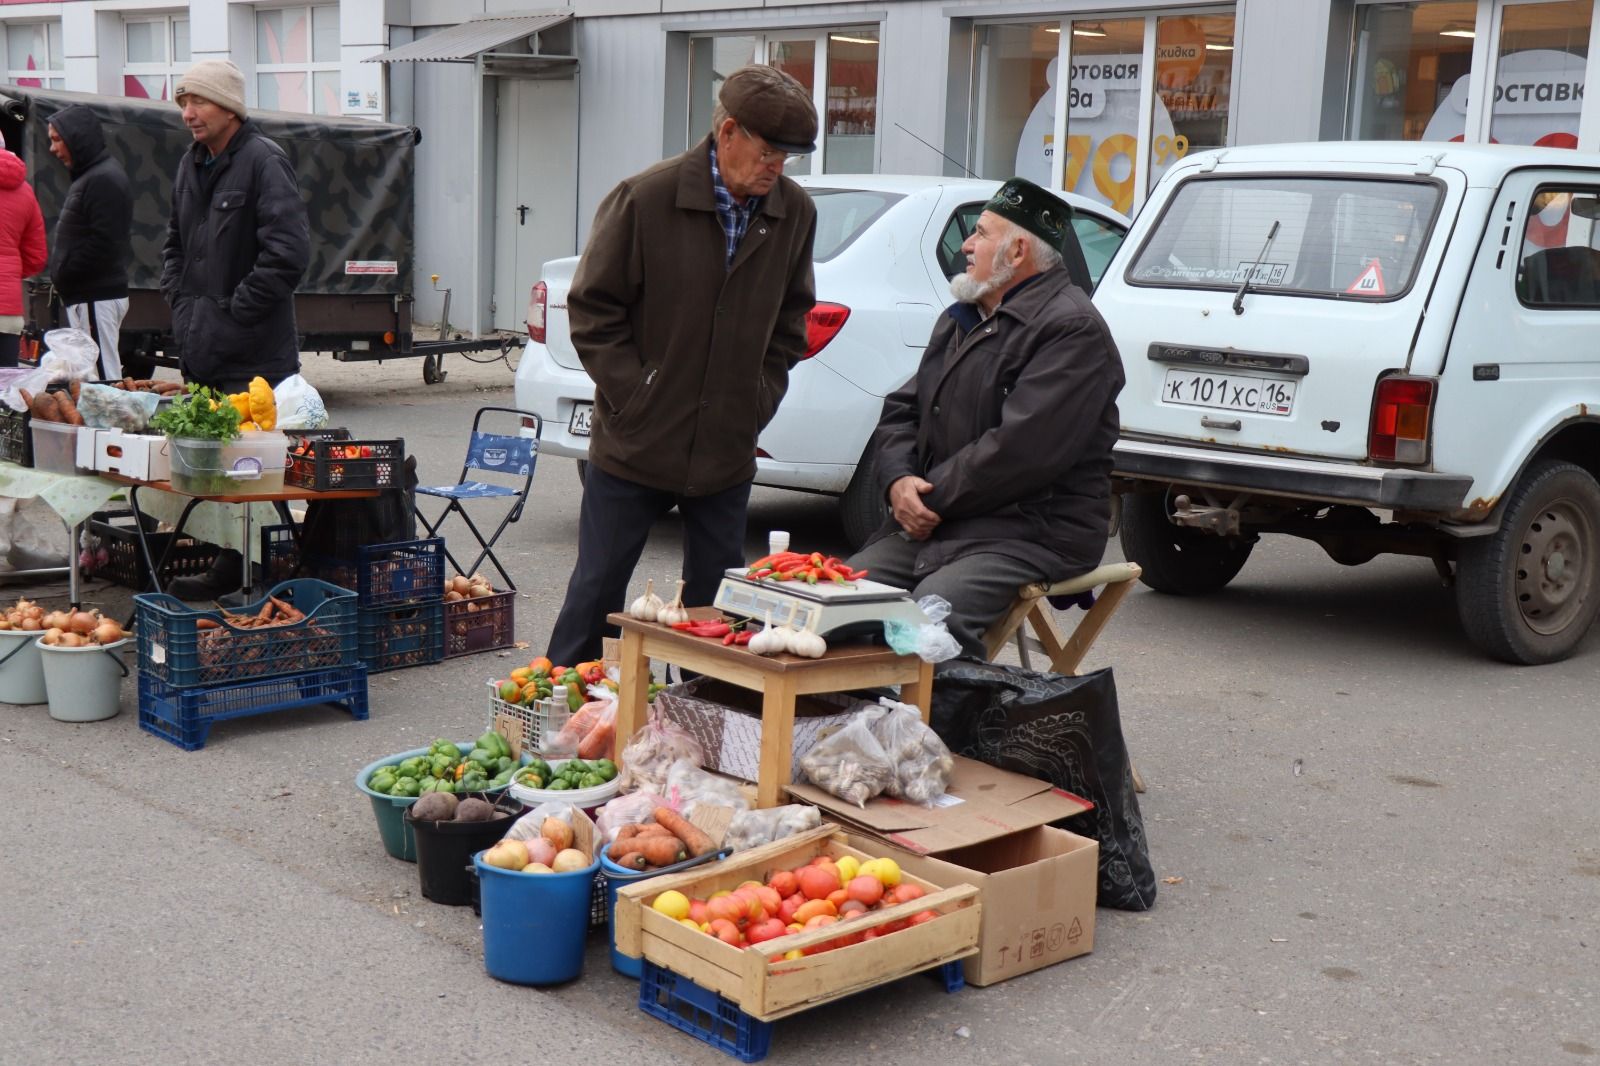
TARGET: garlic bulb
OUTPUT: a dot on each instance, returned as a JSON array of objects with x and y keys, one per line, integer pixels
[
  {"x": 806, "y": 644},
  {"x": 674, "y": 612},
  {"x": 646, "y": 608},
  {"x": 767, "y": 642}
]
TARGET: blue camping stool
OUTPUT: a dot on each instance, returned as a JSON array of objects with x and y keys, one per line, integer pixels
[{"x": 509, "y": 454}]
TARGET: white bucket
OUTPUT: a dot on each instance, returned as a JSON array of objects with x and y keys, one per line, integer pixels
[
  {"x": 21, "y": 671},
  {"x": 84, "y": 684}
]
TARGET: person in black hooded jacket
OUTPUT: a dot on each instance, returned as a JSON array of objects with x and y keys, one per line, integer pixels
[{"x": 90, "y": 249}]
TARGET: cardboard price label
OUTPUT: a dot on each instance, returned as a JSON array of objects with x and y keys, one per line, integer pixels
[{"x": 510, "y": 727}]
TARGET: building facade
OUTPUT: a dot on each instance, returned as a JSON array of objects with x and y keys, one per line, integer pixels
[{"x": 529, "y": 116}]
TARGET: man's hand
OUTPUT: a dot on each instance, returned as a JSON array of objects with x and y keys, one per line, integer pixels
[{"x": 905, "y": 501}]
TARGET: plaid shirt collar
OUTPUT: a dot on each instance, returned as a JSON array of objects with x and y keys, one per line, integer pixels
[{"x": 734, "y": 216}]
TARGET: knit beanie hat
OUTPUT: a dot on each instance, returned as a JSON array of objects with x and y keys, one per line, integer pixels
[{"x": 217, "y": 80}]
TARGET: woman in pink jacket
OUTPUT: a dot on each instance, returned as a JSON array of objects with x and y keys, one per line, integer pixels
[{"x": 22, "y": 249}]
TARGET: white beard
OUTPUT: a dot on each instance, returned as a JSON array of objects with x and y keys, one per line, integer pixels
[{"x": 968, "y": 291}]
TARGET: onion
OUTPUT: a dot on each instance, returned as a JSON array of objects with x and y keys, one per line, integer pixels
[
  {"x": 82, "y": 622},
  {"x": 57, "y": 620},
  {"x": 107, "y": 632},
  {"x": 32, "y": 625},
  {"x": 71, "y": 640}
]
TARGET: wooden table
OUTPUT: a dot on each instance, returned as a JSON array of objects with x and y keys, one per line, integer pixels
[{"x": 779, "y": 679}]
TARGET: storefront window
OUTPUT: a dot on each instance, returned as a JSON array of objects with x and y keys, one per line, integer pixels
[
  {"x": 798, "y": 59},
  {"x": 1014, "y": 101},
  {"x": 1411, "y": 65},
  {"x": 33, "y": 55},
  {"x": 1539, "y": 78},
  {"x": 1103, "y": 111},
  {"x": 850, "y": 126},
  {"x": 1194, "y": 69},
  {"x": 157, "y": 52},
  {"x": 711, "y": 60},
  {"x": 297, "y": 59}
]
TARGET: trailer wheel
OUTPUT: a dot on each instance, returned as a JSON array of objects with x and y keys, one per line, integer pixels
[
  {"x": 1174, "y": 559},
  {"x": 431, "y": 373},
  {"x": 1528, "y": 592}
]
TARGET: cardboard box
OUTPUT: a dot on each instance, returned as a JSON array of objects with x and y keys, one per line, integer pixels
[
  {"x": 142, "y": 456},
  {"x": 726, "y": 721},
  {"x": 1037, "y": 883}
]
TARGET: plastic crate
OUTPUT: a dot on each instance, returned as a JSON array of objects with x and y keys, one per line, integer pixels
[
  {"x": 16, "y": 442},
  {"x": 599, "y": 905},
  {"x": 176, "y": 650},
  {"x": 280, "y": 555},
  {"x": 410, "y": 571},
  {"x": 539, "y": 723},
  {"x": 482, "y": 624},
  {"x": 124, "y": 563},
  {"x": 396, "y": 637},
  {"x": 714, "y": 1020},
  {"x": 380, "y": 465},
  {"x": 184, "y": 716}
]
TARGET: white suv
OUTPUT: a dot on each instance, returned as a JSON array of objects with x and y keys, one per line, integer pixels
[{"x": 1381, "y": 347}]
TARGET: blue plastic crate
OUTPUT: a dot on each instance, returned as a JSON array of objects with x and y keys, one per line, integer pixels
[
  {"x": 410, "y": 571},
  {"x": 395, "y": 637},
  {"x": 715, "y": 1020},
  {"x": 175, "y": 650},
  {"x": 183, "y": 716}
]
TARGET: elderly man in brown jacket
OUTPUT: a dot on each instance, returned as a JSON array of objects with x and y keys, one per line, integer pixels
[
  {"x": 995, "y": 457},
  {"x": 688, "y": 311}
]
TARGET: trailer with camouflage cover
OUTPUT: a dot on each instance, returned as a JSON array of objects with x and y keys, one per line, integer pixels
[{"x": 357, "y": 178}]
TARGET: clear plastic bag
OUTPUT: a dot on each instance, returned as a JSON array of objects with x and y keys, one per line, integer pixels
[
  {"x": 299, "y": 405},
  {"x": 653, "y": 750},
  {"x": 72, "y": 355},
  {"x": 932, "y": 643},
  {"x": 104, "y": 407},
  {"x": 751, "y": 829},
  {"x": 572, "y": 736},
  {"x": 922, "y": 763},
  {"x": 634, "y": 808},
  {"x": 15, "y": 379},
  {"x": 529, "y": 825},
  {"x": 851, "y": 763},
  {"x": 688, "y": 786}
]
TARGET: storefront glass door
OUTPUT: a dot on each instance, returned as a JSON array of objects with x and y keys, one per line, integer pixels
[{"x": 1541, "y": 52}]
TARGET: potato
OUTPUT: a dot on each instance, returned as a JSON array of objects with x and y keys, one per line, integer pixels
[{"x": 434, "y": 807}]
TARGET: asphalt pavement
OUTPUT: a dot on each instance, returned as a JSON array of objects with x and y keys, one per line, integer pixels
[{"x": 1373, "y": 844}]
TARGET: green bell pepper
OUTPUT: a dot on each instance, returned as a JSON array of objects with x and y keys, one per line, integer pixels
[
  {"x": 382, "y": 781},
  {"x": 407, "y": 786},
  {"x": 482, "y": 756},
  {"x": 502, "y": 778},
  {"x": 472, "y": 781},
  {"x": 504, "y": 763},
  {"x": 414, "y": 767},
  {"x": 494, "y": 742},
  {"x": 605, "y": 768},
  {"x": 439, "y": 765},
  {"x": 446, "y": 785},
  {"x": 560, "y": 784},
  {"x": 591, "y": 781},
  {"x": 444, "y": 747}
]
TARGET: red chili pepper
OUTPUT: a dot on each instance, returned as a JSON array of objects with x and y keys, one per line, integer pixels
[{"x": 704, "y": 627}]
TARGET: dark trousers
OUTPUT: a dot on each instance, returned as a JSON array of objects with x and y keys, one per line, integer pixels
[
  {"x": 979, "y": 587},
  {"x": 10, "y": 345},
  {"x": 613, "y": 525}
]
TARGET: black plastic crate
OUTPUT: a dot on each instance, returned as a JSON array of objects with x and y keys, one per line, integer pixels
[
  {"x": 481, "y": 624},
  {"x": 280, "y": 554},
  {"x": 347, "y": 464},
  {"x": 16, "y": 437},
  {"x": 123, "y": 563},
  {"x": 397, "y": 637}
]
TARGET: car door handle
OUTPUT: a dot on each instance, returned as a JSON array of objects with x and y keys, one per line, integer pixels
[{"x": 1221, "y": 423}]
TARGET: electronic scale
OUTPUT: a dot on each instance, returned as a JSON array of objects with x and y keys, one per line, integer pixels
[{"x": 820, "y": 608}]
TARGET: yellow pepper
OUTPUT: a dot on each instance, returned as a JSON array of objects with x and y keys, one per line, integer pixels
[
  {"x": 241, "y": 403},
  {"x": 263, "y": 406}
]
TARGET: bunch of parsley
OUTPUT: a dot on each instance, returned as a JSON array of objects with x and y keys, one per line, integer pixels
[{"x": 201, "y": 413}]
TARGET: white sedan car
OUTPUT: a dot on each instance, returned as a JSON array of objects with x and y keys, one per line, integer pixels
[{"x": 886, "y": 248}]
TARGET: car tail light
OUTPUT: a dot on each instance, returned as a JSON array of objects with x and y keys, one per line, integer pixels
[
  {"x": 536, "y": 306},
  {"x": 823, "y": 323},
  {"x": 1402, "y": 415}
]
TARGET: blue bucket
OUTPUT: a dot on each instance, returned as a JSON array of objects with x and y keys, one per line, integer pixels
[
  {"x": 616, "y": 877},
  {"x": 534, "y": 925}
]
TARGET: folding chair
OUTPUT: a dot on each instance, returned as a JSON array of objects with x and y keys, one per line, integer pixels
[
  {"x": 1031, "y": 609},
  {"x": 509, "y": 454}
]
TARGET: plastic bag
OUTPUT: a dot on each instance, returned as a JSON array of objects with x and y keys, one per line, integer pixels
[
  {"x": 688, "y": 786},
  {"x": 851, "y": 763},
  {"x": 751, "y": 829},
  {"x": 14, "y": 379},
  {"x": 932, "y": 643},
  {"x": 592, "y": 728},
  {"x": 632, "y": 809},
  {"x": 104, "y": 407},
  {"x": 922, "y": 764},
  {"x": 653, "y": 750},
  {"x": 528, "y": 826},
  {"x": 72, "y": 356},
  {"x": 300, "y": 406}
]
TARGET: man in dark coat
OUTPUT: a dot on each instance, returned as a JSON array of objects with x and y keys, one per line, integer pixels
[
  {"x": 688, "y": 310},
  {"x": 238, "y": 241},
  {"x": 996, "y": 457},
  {"x": 91, "y": 246},
  {"x": 237, "y": 245}
]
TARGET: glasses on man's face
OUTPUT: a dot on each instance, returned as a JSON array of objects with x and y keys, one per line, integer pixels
[{"x": 768, "y": 156}]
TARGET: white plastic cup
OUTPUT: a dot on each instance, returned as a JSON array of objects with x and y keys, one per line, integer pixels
[{"x": 777, "y": 541}]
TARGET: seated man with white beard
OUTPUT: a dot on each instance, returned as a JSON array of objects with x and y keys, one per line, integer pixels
[{"x": 995, "y": 458}]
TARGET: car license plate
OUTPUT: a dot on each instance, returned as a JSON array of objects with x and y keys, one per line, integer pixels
[
  {"x": 1228, "y": 392},
  {"x": 582, "y": 419}
]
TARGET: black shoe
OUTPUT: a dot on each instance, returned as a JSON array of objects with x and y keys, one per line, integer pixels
[{"x": 226, "y": 575}]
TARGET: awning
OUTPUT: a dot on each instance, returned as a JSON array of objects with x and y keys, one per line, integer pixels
[{"x": 464, "y": 43}]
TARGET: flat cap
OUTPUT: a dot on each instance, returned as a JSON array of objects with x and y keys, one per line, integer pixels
[
  {"x": 1035, "y": 210},
  {"x": 770, "y": 103}
]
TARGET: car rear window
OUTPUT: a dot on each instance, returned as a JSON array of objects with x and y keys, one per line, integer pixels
[
  {"x": 1357, "y": 239},
  {"x": 843, "y": 215}
]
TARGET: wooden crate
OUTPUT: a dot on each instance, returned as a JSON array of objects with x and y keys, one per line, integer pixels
[{"x": 758, "y": 979}]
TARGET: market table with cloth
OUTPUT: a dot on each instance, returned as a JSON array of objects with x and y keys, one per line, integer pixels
[{"x": 779, "y": 679}]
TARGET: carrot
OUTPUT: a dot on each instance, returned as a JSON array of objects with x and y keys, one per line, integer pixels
[
  {"x": 651, "y": 829},
  {"x": 622, "y": 846},
  {"x": 633, "y": 860},
  {"x": 661, "y": 851},
  {"x": 598, "y": 743},
  {"x": 694, "y": 838},
  {"x": 631, "y": 829},
  {"x": 206, "y": 623}
]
